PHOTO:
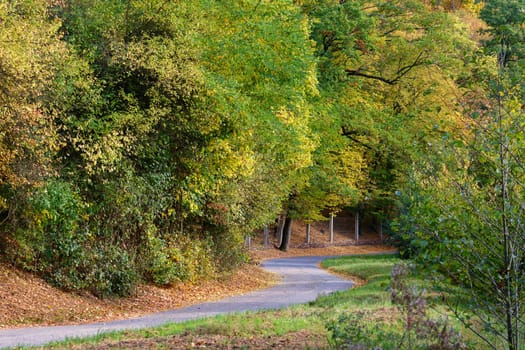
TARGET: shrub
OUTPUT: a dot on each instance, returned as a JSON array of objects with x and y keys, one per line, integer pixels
[
  {"x": 53, "y": 238},
  {"x": 420, "y": 331},
  {"x": 177, "y": 258},
  {"x": 227, "y": 247},
  {"x": 111, "y": 271},
  {"x": 120, "y": 237},
  {"x": 51, "y": 233},
  {"x": 158, "y": 265}
]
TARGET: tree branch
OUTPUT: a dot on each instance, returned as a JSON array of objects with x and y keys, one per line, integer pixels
[
  {"x": 351, "y": 134},
  {"x": 401, "y": 72},
  {"x": 359, "y": 73}
]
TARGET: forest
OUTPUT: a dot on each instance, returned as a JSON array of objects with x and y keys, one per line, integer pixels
[{"x": 143, "y": 140}]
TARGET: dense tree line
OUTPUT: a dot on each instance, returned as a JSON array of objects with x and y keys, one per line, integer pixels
[
  {"x": 141, "y": 140},
  {"x": 144, "y": 139}
]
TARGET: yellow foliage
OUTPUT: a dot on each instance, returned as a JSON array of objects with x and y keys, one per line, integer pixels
[
  {"x": 231, "y": 162},
  {"x": 30, "y": 50},
  {"x": 302, "y": 155}
]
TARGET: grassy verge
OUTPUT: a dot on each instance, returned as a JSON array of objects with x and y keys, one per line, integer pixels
[{"x": 361, "y": 315}]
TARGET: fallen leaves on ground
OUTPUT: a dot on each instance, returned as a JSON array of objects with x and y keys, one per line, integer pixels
[
  {"x": 294, "y": 340},
  {"x": 271, "y": 253},
  {"x": 27, "y": 300}
]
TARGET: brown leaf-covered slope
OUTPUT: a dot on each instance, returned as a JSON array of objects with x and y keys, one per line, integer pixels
[{"x": 28, "y": 300}]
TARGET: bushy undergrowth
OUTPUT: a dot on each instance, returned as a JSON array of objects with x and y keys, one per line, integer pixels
[
  {"x": 50, "y": 235},
  {"x": 107, "y": 247},
  {"x": 177, "y": 258}
]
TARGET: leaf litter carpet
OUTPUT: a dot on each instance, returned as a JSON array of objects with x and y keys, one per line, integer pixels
[{"x": 26, "y": 300}]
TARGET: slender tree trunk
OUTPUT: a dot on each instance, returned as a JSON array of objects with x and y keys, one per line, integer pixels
[
  {"x": 331, "y": 228},
  {"x": 308, "y": 226},
  {"x": 511, "y": 303},
  {"x": 356, "y": 226},
  {"x": 512, "y": 332},
  {"x": 181, "y": 217},
  {"x": 506, "y": 242},
  {"x": 286, "y": 234},
  {"x": 266, "y": 238}
]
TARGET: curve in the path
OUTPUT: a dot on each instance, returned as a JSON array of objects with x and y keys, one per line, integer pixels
[{"x": 302, "y": 281}]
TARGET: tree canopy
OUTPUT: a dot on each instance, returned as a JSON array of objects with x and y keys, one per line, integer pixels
[{"x": 143, "y": 140}]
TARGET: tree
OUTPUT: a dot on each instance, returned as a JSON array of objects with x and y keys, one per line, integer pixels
[
  {"x": 260, "y": 67},
  {"x": 124, "y": 102},
  {"x": 336, "y": 177},
  {"x": 30, "y": 54},
  {"x": 465, "y": 211},
  {"x": 389, "y": 72},
  {"x": 465, "y": 216},
  {"x": 505, "y": 20}
]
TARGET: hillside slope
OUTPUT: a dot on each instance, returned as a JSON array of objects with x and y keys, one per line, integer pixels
[{"x": 28, "y": 300}]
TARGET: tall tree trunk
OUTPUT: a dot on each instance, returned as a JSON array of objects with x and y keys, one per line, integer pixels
[
  {"x": 308, "y": 226},
  {"x": 266, "y": 236},
  {"x": 181, "y": 217},
  {"x": 331, "y": 225},
  {"x": 287, "y": 233},
  {"x": 511, "y": 303},
  {"x": 280, "y": 228},
  {"x": 356, "y": 229}
]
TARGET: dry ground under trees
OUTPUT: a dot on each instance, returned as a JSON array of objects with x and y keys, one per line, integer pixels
[{"x": 27, "y": 300}]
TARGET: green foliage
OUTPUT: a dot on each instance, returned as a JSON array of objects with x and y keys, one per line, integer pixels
[
  {"x": 164, "y": 132},
  {"x": 54, "y": 239},
  {"x": 455, "y": 225},
  {"x": 339, "y": 29},
  {"x": 109, "y": 271},
  {"x": 144, "y": 81},
  {"x": 463, "y": 213},
  {"x": 51, "y": 235},
  {"x": 177, "y": 259},
  {"x": 170, "y": 126},
  {"x": 505, "y": 20},
  {"x": 30, "y": 52},
  {"x": 387, "y": 73},
  {"x": 261, "y": 70}
]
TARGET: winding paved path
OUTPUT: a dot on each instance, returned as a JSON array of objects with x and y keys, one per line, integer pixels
[{"x": 302, "y": 281}]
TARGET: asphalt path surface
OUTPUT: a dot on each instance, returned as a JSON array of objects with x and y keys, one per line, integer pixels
[{"x": 302, "y": 281}]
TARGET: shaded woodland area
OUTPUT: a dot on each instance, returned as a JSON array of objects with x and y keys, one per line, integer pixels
[{"x": 143, "y": 141}]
